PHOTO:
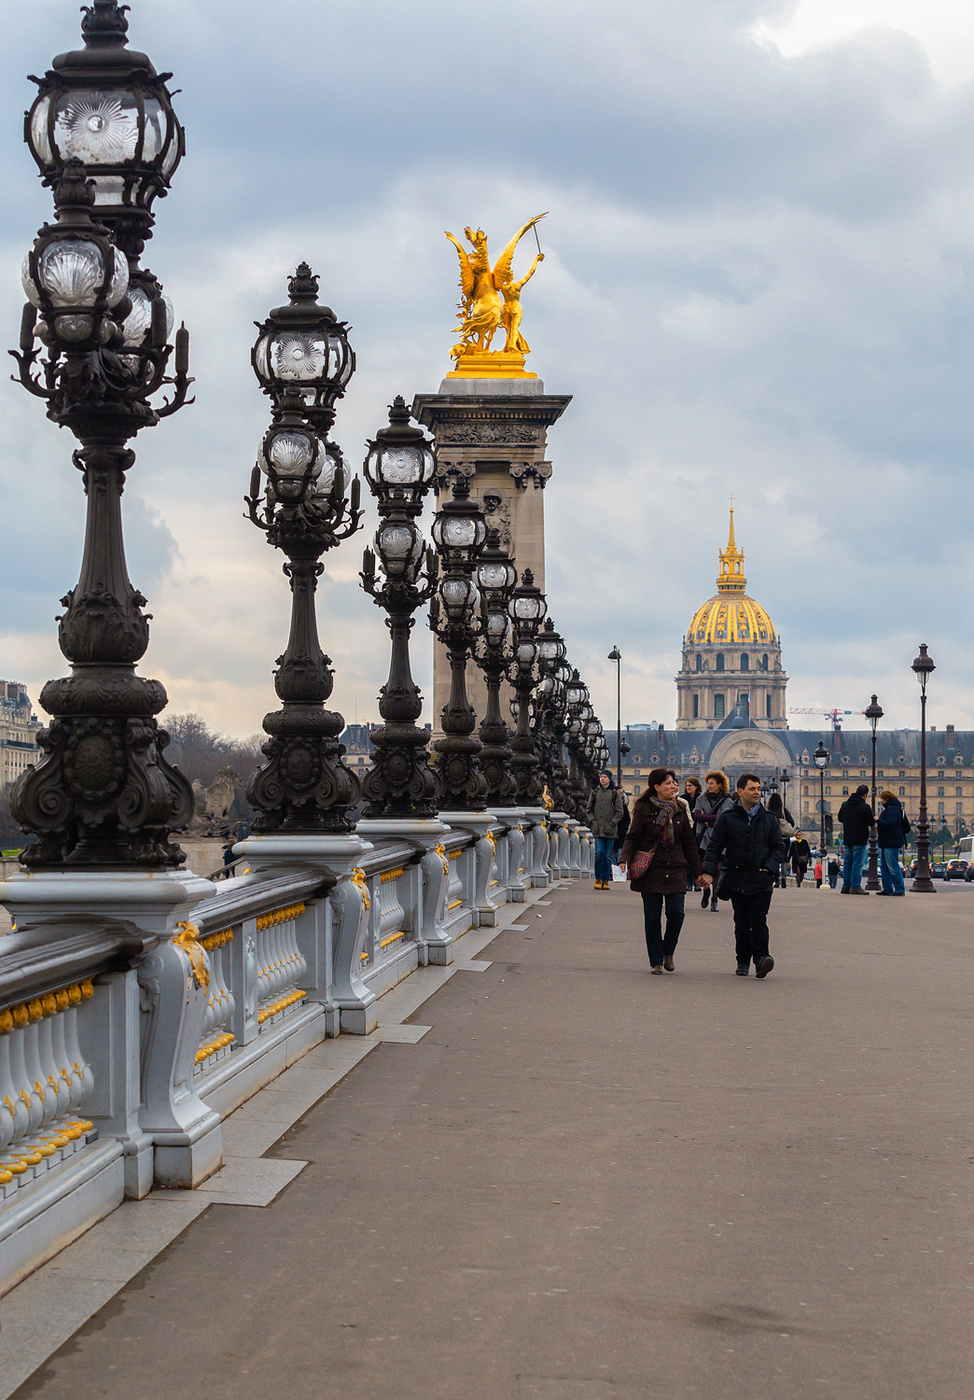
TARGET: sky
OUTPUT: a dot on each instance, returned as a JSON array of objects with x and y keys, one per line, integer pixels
[{"x": 758, "y": 283}]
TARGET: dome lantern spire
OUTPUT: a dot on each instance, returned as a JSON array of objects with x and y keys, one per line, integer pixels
[{"x": 731, "y": 577}]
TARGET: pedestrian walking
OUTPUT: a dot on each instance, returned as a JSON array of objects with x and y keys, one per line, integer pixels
[
  {"x": 801, "y": 854},
  {"x": 605, "y": 809},
  {"x": 692, "y": 788},
  {"x": 623, "y": 825},
  {"x": 661, "y": 830},
  {"x": 856, "y": 817},
  {"x": 818, "y": 874},
  {"x": 747, "y": 840},
  {"x": 834, "y": 869},
  {"x": 709, "y": 805},
  {"x": 778, "y": 809},
  {"x": 892, "y": 829}
]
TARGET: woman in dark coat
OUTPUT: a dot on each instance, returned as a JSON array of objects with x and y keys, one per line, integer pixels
[
  {"x": 692, "y": 788},
  {"x": 660, "y": 824}
]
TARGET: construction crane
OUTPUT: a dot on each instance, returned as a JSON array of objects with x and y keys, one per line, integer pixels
[{"x": 833, "y": 715}]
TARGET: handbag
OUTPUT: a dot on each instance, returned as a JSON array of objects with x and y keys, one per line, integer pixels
[{"x": 640, "y": 863}]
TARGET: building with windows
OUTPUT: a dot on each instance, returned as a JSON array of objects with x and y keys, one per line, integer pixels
[
  {"x": 783, "y": 761},
  {"x": 18, "y": 732},
  {"x": 731, "y": 655}
]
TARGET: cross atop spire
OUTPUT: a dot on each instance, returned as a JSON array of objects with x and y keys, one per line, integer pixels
[{"x": 731, "y": 577}]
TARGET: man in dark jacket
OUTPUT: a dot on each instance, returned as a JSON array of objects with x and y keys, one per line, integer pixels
[
  {"x": 856, "y": 817},
  {"x": 892, "y": 829},
  {"x": 748, "y": 843}
]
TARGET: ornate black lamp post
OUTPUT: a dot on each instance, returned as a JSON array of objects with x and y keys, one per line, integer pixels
[
  {"x": 784, "y": 780},
  {"x": 616, "y": 655},
  {"x": 579, "y": 713},
  {"x": 459, "y": 532},
  {"x": 874, "y": 713},
  {"x": 923, "y": 884},
  {"x": 304, "y": 786},
  {"x": 551, "y": 718},
  {"x": 527, "y": 612},
  {"x": 496, "y": 576},
  {"x": 399, "y": 469},
  {"x": 821, "y": 758},
  {"x": 103, "y": 133}
]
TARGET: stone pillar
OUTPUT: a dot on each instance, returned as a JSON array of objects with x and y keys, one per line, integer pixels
[{"x": 495, "y": 432}]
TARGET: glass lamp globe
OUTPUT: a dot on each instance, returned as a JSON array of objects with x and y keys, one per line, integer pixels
[
  {"x": 106, "y": 106},
  {"x": 303, "y": 347},
  {"x": 74, "y": 273},
  {"x": 400, "y": 547},
  {"x": 401, "y": 457}
]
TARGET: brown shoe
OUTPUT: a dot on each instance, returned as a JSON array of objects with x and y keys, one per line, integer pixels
[
  {"x": 656, "y": 971},
  {"x": 668, "y": 963}
]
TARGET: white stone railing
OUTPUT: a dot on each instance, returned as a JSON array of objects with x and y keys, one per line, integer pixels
[
  {"x": 121, "y": 1046},
  {"x": 45, "y": 1082}
]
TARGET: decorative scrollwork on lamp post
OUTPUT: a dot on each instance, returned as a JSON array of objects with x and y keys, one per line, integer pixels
[
  {"x": 496, "y": 576},
  {"x": 95, "y": 345},
  {"x": 527, "y": 611},
  {"x": 303, "y": 362},
  {"x": 399, "y": 469},
  {"x": 456, "y": 618}
]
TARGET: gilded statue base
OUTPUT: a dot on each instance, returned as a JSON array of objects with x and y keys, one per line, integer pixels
[{"x": 490, "y": 364}]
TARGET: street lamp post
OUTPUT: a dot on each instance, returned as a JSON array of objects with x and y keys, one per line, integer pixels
[
  {"x": 821, "y": 758},
  {"x": 550, "y": 712},
  {"x": 400, "y": 784},
  {"x": 616, "y": 655},
  {"x": 784, "y": 780},
  {"x": 874, "y": 713},
  {"x": 527, "y": 611},
  {"x": 923, "y": 884},
  {"x": 303, "y": 361},
  {"x": 496, "y": 577},
  {"x": 459, "y": 532},
  {"x": 95, "y": 345}
]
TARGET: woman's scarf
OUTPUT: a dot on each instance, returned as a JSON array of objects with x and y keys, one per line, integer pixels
[{"x": 663, "y": 815}]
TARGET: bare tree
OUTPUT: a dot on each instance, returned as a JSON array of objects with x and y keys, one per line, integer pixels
[{"x": 200, "y": 752}]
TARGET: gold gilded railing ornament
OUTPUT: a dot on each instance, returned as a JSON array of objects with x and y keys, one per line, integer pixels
[
  {"x": 491, "y": 302},
  {"x": 492, "y": 839},
  {"x": 547, "y": 801},
  {"x": 441, "y": 852},
  {"x": 359, "y": 880},
  {"x": 188, "y": 940}
]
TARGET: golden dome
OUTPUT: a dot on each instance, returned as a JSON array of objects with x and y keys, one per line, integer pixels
[{"x": 731, "y": 616}]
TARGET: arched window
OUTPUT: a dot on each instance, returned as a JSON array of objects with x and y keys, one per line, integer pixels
[
  {"x": 699, "y": 662},
  {"x": 764, "y": 662},
  {"x": 767, "y": 707},
  {"x": 696, "y": 707},
  {"x": 720, "y": 661},
  {"x": 745, "y": 665}
]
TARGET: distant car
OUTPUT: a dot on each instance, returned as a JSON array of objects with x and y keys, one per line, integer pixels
[
  {"x": 956, "y": 870},
  {"x": 938, "y": 869}
]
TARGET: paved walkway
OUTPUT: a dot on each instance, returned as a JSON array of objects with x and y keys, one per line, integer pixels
[{"x": 587, "y": 1183}]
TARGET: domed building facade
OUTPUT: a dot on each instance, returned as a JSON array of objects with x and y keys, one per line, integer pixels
[{"x": 731, "y": 657}]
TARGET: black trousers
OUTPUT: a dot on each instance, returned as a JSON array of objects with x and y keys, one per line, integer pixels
[
  {"x": 659, "y": 946},
  {"x": 751, "y": 925}
]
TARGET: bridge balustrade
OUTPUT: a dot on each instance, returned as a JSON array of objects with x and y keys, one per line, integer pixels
[{"x": 110, "y": 1053}]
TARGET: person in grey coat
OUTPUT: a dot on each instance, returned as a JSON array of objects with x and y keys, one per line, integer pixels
[
  {"x": 707, "y": 808},
  {"x": 605, "y": 811}
]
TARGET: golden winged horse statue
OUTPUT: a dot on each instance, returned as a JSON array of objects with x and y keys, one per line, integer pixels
[{"x": 491, "y": 296}]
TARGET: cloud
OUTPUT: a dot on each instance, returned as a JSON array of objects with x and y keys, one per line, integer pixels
[{"x": 758, "y": 282}]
